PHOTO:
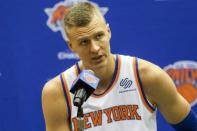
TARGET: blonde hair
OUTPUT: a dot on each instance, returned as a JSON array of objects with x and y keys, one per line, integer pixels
[{"x": 81, "y": 14}]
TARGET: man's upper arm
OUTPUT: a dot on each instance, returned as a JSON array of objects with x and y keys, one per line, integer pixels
[
  {"x": 54, "y": 106},
  {"x": 160, "y": 90}
]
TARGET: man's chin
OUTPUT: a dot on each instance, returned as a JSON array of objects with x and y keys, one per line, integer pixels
[{"x": 98, "y": 66}]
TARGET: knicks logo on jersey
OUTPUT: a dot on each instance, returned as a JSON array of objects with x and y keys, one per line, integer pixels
[
  {"x": 109, "y": 115},
  {"x": 184, "y": 75}
]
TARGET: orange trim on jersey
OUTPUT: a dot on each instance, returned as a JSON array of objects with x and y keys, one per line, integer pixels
[
  {"x": 114, "y": 82},
  {"x": 67, "y": 93},
  {"x": 139, "y": 87},
  {"x": 76, "y": 70}
]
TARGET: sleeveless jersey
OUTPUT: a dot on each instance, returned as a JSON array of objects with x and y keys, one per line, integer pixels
[{"x": 122, "y": 107}]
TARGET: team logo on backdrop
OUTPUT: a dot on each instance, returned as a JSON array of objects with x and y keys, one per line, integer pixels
[
  {"x": 55, "y": 22},
  {"x": 184, "y": 75}
]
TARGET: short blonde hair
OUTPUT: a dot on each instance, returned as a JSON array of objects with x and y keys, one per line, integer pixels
[{"x": 81, "y": 14}]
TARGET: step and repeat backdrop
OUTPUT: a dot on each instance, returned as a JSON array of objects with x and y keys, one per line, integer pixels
[{"x": 33, "y": 49}]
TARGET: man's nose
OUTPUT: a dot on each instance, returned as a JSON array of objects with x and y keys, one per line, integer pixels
[{"x": 94, "y": 48}]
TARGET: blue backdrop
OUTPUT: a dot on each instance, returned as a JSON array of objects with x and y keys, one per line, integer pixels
[{"x": 161, "y": 31}]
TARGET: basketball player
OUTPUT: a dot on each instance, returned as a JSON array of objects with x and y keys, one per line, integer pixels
[{"x": 130, "y": 89}]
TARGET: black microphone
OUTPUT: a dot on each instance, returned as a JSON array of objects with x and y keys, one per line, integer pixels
[{"x": 83, "y": 87}]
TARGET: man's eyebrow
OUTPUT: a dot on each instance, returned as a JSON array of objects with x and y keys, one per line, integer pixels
[
  {"x": 82, "y": 38},
  {"x": 99, "y": 32}
]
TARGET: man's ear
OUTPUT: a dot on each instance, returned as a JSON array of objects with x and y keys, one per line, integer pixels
[
  {"x": 70, "y": 46},
  {"x": 109, "y": 30},
  {"x": 68, "y": 40}
]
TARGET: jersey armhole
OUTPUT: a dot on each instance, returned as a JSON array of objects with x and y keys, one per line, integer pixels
[
  {"x": 67, "y": 97},
  {"x": 145, "y": 101}
]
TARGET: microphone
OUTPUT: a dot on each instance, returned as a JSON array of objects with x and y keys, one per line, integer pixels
[{"x": 83, "y": 87}]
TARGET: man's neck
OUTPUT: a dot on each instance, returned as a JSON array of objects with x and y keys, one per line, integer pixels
[{"x": 106, "y": 73}]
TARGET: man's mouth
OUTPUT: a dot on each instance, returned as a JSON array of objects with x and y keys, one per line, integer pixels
[{"x": 97, "y": 57}]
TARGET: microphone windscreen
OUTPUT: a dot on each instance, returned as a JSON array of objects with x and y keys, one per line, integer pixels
[{"x": 86, "y": 80}]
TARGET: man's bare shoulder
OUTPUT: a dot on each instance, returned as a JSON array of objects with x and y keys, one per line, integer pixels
[
  {"x": 150, "y": 75},
  {"x": 149, "y": 71},
  {"x": 54, "y": 106},
  {"x": 53, "y": 94},
  {"x": 53, "y": 102},
  {"x": 52, "y": 88},
  {"x": 161, "y": 91}
]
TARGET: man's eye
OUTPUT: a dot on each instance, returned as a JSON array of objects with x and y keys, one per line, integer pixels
[
  {"x": 99, "y": 36},
  {"x": 84, "y": 42}
]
